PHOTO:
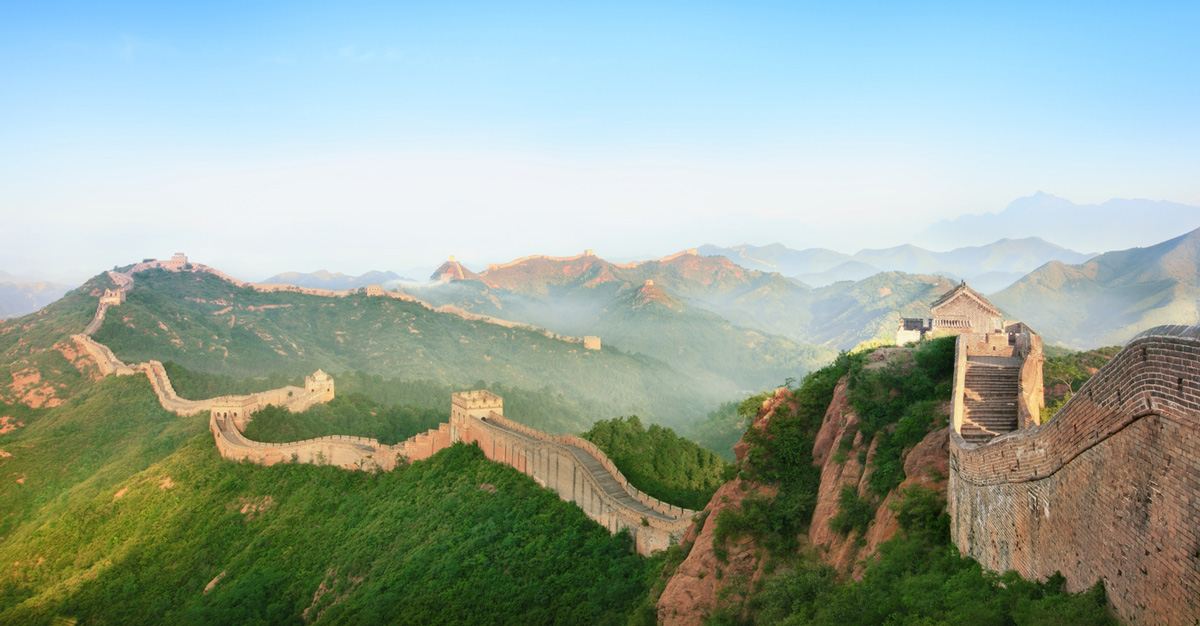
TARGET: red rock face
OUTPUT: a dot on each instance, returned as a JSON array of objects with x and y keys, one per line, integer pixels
[
  {"x": 841, "y": 425},
  {"x": 693, "y": 592}
]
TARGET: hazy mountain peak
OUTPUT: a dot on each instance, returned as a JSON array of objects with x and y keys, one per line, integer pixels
[
  {"x": 453, "y": 270},
  {"x": 1116, "y": 224}
]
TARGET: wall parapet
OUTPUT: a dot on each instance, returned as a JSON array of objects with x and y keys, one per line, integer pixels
[
  {"x": 1105, "y": 490},
  {"x": 651, "y": 502},
  {"x": 557, "y": 464}
]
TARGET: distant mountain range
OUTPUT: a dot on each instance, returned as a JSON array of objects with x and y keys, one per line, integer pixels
[
  {"x": 738, "y": 328},
  {"x": 732, "y": 314},
  {"x": 1113, "y": 225},
  {"x": 1112, "y": 297},
  {"x": 20, "y": 298},
  {"x": 988, "y": 268},
  {"x": 322, "y": 279}
]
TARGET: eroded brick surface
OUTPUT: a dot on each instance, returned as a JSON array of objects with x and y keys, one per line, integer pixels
[{"x": 1109, "y": 489}]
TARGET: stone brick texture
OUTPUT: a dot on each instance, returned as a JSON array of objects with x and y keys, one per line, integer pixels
[{"x": 1109, "y": 489}]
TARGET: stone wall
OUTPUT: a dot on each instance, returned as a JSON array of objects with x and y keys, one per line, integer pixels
[
  {"x": 1108, "y": 489},
  {"x": 578, "y": 472}
]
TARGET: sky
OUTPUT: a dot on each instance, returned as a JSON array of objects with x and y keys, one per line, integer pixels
[{"x": 354, "y": 136}]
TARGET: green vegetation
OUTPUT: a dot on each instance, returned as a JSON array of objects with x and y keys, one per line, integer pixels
[
  {"x": 782, "y": 454},
  {"x": 721, "y": 429},
  {"x": 1064, "y": 374},
  {"x": 918, "y": 579},
  {"x": 897, "y": 404},
  {"x": 208, "y": 325},
  {"x": 31, "y": 344},
  {"x": 126, "y": 514},
  {"x": 347, "y": 414},
  {"x": 66, "y": 455},
  {"x": 853, "y": 513},
  {"x": 660, "y": 463},
  {"x": 194, "y": 385}
]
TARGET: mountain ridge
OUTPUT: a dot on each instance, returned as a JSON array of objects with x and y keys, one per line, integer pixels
[
  {"x": 1116, "y": 224},
  {"x": 1110, "y": 298}
]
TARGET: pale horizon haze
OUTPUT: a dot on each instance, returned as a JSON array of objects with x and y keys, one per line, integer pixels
[{"x": 360, "y": 136}]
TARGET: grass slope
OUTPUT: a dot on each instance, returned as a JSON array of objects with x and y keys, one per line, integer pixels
[
  {"x": 659, "y": 462},
  {"x": 39, "y": 342}
]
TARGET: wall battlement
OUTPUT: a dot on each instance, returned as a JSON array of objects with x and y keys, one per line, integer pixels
[
  {"x": 478, "y": 399},
  {"x": 1107, "y": 489}
]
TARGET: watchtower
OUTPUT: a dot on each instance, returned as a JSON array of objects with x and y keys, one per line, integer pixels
[
  {"x": 235, "y": 410},
  {"x": 479, "y": 403},
  {"x": 112, "y": 297},
  {"x": 320, "y": 383}
]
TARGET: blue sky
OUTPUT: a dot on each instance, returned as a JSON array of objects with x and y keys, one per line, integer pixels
[{"x": 293, "y": 136}]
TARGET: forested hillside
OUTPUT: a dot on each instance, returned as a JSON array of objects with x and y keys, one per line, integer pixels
[
  {"x": 115, "y": 511},
  {"x": 659, "y": 462},
  {"x": 206, "y": 324}
]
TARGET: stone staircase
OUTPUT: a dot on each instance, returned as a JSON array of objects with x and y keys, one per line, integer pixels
[{"x": 992, "y": 387}]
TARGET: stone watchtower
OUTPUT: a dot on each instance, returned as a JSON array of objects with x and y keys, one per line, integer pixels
[
  {"x": 320, "y": 383},
  {"x": 466, "y": 408},
  {"x": 234, "y": 410},
  {"x": 478, "y": 403},
  {"x": 960, "y": 310},
  {"x": 112, "y": 297}
]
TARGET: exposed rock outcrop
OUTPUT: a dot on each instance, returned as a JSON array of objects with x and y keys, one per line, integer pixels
[
  {"x": 703, "y": 582},
  {"x": 695, "y": 589}
]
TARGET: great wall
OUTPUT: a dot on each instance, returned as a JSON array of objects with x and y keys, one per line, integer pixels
[
  {"x": 1107, "y": 490},
  {"x": 573, "y": 467}
]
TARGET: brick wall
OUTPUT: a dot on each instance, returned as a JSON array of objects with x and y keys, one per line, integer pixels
[
  {"x": 560, "y": 463},
  {"x": 1108, "y": 489}
]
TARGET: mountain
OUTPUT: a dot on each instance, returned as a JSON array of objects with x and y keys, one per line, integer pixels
[
  {"x": 322, "y": 279},
  {"x": 779, "y": 258},
  {"x": 657, "y": 308},
  {"x": 1112, "y": 297},
  {"x": 208, "y": 324},
  {"x": 988, "y": 267},
  {"x": 116, "y": 511},
  {"x": 1113, "y": 225},
  {"x": 568, "y": 294},
  {"x": 21, "y": 298}
]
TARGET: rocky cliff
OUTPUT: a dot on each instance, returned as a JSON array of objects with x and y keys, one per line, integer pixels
[{"x": 718, "y": 576}]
